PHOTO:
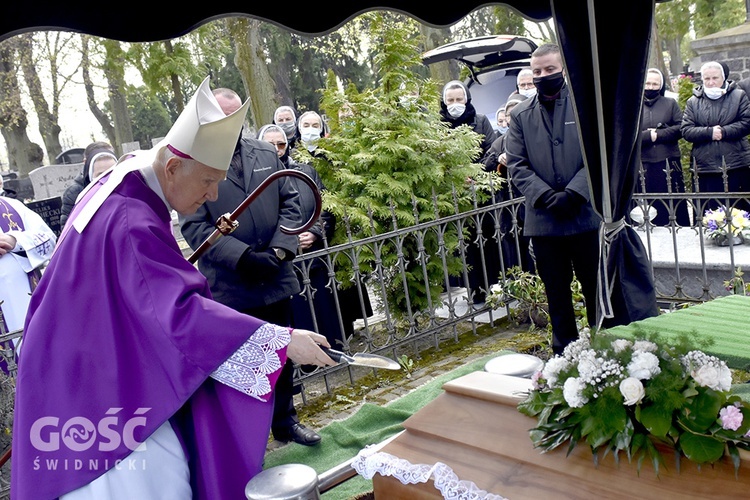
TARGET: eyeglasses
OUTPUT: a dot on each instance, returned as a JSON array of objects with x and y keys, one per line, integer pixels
[
  {"x": 525, "y": 85},
  {"x": 279, "y": 145}
]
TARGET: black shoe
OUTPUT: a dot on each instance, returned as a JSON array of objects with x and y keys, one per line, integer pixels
[{"x": 299, "y": 434}]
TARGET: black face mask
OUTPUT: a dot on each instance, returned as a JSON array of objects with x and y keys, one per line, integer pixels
[
  {"x": 651, "y": 94},
  {"x": 549, "y": 85}
]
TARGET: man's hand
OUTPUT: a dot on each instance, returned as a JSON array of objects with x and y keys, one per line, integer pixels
[
  {"x": 545, "y": 199},
  {"x": 304, "y": 348},
  {"x": 565, "y": 203},
  {"x": 258, "y": 266},
  {"x": 7, "y": 243},
  {"x": 306, "y": 240}
]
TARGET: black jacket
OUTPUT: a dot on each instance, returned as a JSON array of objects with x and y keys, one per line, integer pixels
[
  {"x": 477, "y": 121},
  {"x": 326, "y": 224},
  {"x": 71, "y": 194},
  {"x": 732, "y": 112},
  {"x": 258, "y": 230},
  {"x": 664, "y": 115},
  {"x": 543, "y": 155}
]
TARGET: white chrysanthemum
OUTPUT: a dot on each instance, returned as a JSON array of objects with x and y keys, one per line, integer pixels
[
  {"x": 621, "y": 345},
  {"x": 573, "y": 392},
  {"x": 645, "y": 346},
  {"x": 713, "y": 376},
  {"x": 643, "y": 365},
  {"x": 552, "y": 369},
  {"x": 708, "y": 371}
]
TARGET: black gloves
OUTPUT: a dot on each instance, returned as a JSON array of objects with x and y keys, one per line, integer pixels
[
  {"x": 561, "y": 203},
  {"x": 545, "y": 199},
  {"x": 259, "y": 266}
]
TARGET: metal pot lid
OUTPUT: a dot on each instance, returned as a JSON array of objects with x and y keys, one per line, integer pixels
[{"x": 514, "y": 364}]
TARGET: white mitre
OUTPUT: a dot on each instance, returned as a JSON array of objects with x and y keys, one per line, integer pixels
[{"x": 202, "y": 132}]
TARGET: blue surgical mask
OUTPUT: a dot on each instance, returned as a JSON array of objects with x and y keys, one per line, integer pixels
[{"x": 502, "y": 130}]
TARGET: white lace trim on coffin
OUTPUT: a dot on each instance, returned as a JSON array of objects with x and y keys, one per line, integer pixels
[
  {"x": 369, "y": 462},
  {"x": 247, "y": 369}
]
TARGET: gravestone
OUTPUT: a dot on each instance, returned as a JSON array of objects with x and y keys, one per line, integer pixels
[
  {"x": 49, "y": 209},
  {"x": 128, "y": 147},
  {"x": 52, "y": 180}
]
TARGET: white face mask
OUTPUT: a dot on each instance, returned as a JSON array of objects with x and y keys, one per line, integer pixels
[
  {"x": 310, "y": 134},
  {"x": 713, "y": 92},
  {"x": 528, "y": 93},
  {"x": 456, "y": 110}
]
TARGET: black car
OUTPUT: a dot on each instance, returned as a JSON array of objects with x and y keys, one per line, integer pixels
[{"x": 493, "y": 62}]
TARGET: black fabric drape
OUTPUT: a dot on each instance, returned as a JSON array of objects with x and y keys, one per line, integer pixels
[{"x": 606, "y": 55}]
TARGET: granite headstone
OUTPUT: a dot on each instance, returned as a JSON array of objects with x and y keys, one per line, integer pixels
[
  {"x": 49, "y": 209},
  {"x": 52, "y": 180}
]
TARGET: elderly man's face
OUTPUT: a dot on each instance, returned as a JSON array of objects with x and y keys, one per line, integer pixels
[
  {"x": 189, "y": 184},
  {"x": 525, "y": 82}
]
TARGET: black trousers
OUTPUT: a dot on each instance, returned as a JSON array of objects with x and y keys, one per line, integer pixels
[
  {"x": 558, "y": 259},
  {"x": 284, "y": 413}
]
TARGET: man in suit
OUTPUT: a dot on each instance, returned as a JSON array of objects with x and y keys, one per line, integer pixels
[
  {"x": 250, "y": 270},
  {"x": 546, "y": 164}
]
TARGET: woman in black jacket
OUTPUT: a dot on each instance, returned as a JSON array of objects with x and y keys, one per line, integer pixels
[
  {"x": 717, "y": 122},
  {"x": 661, "y": 118},
  {"x": 456, "y": 109}
]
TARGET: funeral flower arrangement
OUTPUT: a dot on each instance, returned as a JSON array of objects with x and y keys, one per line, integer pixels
[
  {"x": 628, "y": 395},
  {"x": 720, "y": 223}
]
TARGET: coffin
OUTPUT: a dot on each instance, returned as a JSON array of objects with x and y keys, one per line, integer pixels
[{"x": 475, "y": 429}]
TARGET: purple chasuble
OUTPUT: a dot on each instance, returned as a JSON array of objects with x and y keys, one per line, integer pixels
[{"x": 121, "y": 336}]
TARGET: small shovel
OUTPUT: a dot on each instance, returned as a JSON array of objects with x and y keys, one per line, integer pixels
[{"x": 362, "y": 359}]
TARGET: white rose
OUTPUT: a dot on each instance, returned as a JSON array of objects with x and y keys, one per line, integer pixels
[{"x": 632, "y": 390}]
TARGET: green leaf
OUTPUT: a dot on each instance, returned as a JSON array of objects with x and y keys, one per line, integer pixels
[
  {"x": 700, "y": 448},
  {"x": 656, "y": 459},
  {"x": 655, "y": 420},
  {"x": 532, "y": 405},
  {"x": 700, "y": 413}
]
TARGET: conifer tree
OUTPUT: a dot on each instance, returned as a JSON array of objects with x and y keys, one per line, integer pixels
[{"x": 388, "y": 163}]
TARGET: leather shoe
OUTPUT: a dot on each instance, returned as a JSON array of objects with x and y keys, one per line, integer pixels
[{"x": 299, "y": 434}]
